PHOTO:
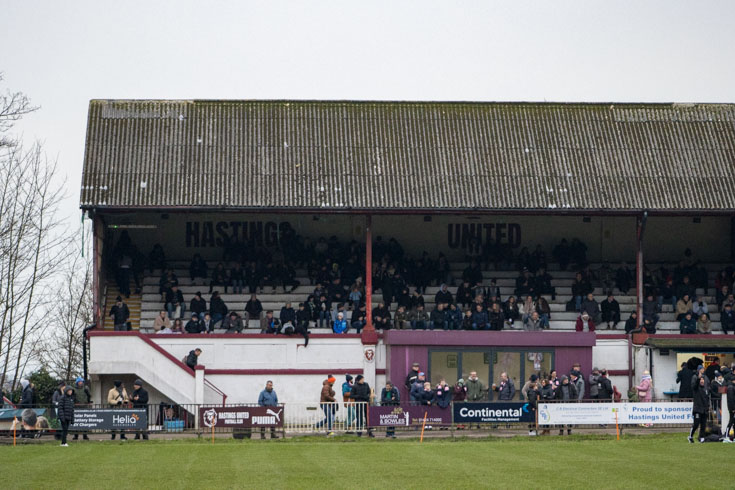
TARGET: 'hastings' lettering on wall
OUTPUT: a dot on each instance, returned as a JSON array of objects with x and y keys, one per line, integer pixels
[
  {"x": 460, "y": 235},
  {"x": 221, "y": 233}
]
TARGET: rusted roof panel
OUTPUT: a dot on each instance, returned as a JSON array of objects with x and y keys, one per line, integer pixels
[{"x": 409, "y": 155}]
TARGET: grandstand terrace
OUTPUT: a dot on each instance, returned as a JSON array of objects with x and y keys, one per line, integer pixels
[{"x": 242, "y": 181}]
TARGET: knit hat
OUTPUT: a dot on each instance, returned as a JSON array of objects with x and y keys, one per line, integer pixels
[
  {"x": 117, "y": 383},
  {"x": 198, "y": 293},
  {"x": 331, "y": 379},
  {"x": 79, "y": 380},
  {"x": 61, "y": 383},
  {"x": 699, "y": 368},
  {"x": 534, "y": 377},
  {"x": 119, "y": 298},
  {"x": 138, "y": 383},
  {"x": 348, "y": 377},
  {"x": 460, "y": 381},
  {"x": 67, "y": 388}
]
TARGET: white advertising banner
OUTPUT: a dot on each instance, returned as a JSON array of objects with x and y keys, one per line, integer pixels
[{"x": 604, "y": 413}]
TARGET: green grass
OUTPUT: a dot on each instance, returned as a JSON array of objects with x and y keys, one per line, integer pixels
[{"x": 653, "y": 461}]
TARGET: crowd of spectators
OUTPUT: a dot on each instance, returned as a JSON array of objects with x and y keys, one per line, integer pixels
[{"x": 337, "y": 301}]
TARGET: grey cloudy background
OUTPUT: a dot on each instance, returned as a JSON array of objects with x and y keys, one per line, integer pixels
[{"x": 63, "y": 54}]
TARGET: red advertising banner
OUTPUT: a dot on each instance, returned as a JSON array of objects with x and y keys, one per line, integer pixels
[
  {"x": 241, "y": 417},
  {"x": 408, "y": 415}
]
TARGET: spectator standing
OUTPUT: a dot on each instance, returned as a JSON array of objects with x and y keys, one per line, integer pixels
[
  {"x": 578, "y": 381},
  {"x": 712, "y": 369},
  {"x": 459, "y": 393},
  {"x": 197, "y": 268},
  {"x": 65, "y": 412},
  {"x": 139, "y": 398},
  {"x": 645, "y": 388},
  {"x": 700, "y": 404},
  {"x": 684, "y": 378},
  {"x": 192, "y": 359},
  {"x": 417, "y": 387},
  {"x": 349, "y": 406},
  {"x": 116, "y": 398},
  {"x": 506, "y": 389},
  {"x": 443, "y": 396},
  {"x": 475, "y": 388},
  {"x": 527, "y": 386},
  {"x": 361, "y": 393},
  {"x": 389, "y": 396},
  {"x": 82, "y": 398},
  {"x": 412, "y": 376},
  {"x": 120, "y": 314},
  {"x": 731, "y": 410},
  {"x": 268, "y": 398},
  {"x": 604, "y": 387},
  {"x": 326, "y": 402},
  {"x": 533, "y": 394},
  {"x": 566, "y": 392},
  {"x": 426, "y": 395}
]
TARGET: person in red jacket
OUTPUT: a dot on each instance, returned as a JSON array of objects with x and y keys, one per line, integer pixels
[{"x": 585, "y": 323}]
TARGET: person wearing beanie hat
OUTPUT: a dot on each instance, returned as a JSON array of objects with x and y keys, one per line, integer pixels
[
  {"x": 56, "y": 398},
  {"x": 120, "y": 314},
  {"x": 326, "y": 403},
  {"x": 412, "y": 375},
  {"x": 83, "y": 398},
  {"x": 65, "y": 412},
  {"x": 26, "y": 398},
  {"x": 700, "y": 404},
  {"x": 116, "y": 398},
  {"x": 578, "y": 381},
  {"x": 140, "y": 401},
  {"x": 350, "y": 407},
  {"x": 361, "y": 393}
]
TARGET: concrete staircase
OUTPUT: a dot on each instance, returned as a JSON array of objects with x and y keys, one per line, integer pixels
[{"x": 134, "y": 303}]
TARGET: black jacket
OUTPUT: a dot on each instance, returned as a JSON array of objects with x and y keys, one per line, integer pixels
[
  {"x": 65, "y": 410},
  {"x": 175, "y": 297},
  {"x": 142, "y": 400},
  {"x": 120, "y": 315},
  {"x": 26, "y": 398},
  {"x": 360, "y": 392},
  {"x": 411, "y": 377},
  {"x": 731, "y": 397},
  {"x": 191, "y": 359},
  {"x": 604, "y": 388},
  {"x": 684, "y": 378},
  {"x": 198, "y": 306},
  {"x": 559, "y": 394},
  {"x": 701, "y": 395},
  {"x": 255, "y": 308},
  {"x": 194, "y": 327},
  {"x": 390, "y": 397},
  {"x": 216, "y": 305}
]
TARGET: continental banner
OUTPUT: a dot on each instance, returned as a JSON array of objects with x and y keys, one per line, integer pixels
[
  {"x": 241, "y": 417},
  {"x": 605, "y": 413},
  {"x": 109, "y": 419},
  {"x": 408, "y": 415},
  {"x": 465, "y": 413}
]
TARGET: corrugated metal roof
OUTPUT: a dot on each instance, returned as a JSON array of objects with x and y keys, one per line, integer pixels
[{"x": 409, "y": 155}]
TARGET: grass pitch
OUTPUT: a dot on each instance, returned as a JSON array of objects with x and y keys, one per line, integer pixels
[{"x": 654, "y": 461}]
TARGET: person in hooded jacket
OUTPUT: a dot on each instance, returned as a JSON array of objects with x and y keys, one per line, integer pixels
[
  {"x": 443, "y": 394},
  {"x": 566, "y": 392},
  {"x": 326, "y": 401},
  {"x": 26, "y": 397},
  {"x": 426, "y": 395},
  {"x": 65, "y": 412},
  {"x": 140, "y": 401},
  {"x": 361, "y": 393},
  {"x": 82, "y": 398},
  {"x": 700, "y": 404},
  {"x": 684, "y": 378},
  {"x": 58, "y": 393},
  {"x": 459, "y": 393}
]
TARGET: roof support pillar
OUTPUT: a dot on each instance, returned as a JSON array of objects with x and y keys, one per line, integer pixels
[
  {"x": 369, "y": 274},
  {"x": 640, "y": 229}
]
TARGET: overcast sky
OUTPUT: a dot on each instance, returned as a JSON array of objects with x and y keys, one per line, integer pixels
[{"x": 62, "y": 54}]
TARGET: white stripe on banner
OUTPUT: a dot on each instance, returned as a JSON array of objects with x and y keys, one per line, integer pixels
[{"x": 604, "y": 413}]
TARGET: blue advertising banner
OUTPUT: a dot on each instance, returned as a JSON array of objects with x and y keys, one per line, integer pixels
[{"x": 476, "y": 413}]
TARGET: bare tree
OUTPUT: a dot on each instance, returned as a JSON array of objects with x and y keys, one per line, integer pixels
[
  {"x": 60, "y": 348},
  {"x": 32, "y": 242}
]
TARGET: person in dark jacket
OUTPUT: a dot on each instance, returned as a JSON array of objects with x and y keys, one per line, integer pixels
[
  {"x": 140, "y": 401},
  {"x": 700, "y": 404},
  {"x": 566, "y": 392},
  {"x": 730, "y": 409},
  {"x": 26, "y": 397},
  {"x": 198, "y": 305},
  {"x": 610, "y": 309},
  {"x": 253, "y": 309},
  {"x": 65, "y": 412},
  {"x": 193, "y": 357},
  {"x": 443, "y": 394},
  {"x": 604, "y": 387},
  {"x": 412, "y": 376},
  {"x": 506, "y": 389},
  {"x": 217, "y": 308},
  {"x": 233, "y": 323},
  {"x": 684, "y": 378},
  {"x": 425, "y": 395},
  {"x": 194, "y": 325},
  {"x": 361, "y": 393},
  {"x": 120, "y": 314},
  {"x": 58, "y": 394},
  {"x": 389, "y": 396},
  {"x": 268, "y": 398},
  {"x": 82, "y": 398},
  {"x": 688, "y": 325},
  {"x": 443, "y": 296},
  {"x": 480, "y": 319},
  {"x": 727, "y": 319},
  {"x": 632, "y": 322},
  {"x": 175, "y": 299}
]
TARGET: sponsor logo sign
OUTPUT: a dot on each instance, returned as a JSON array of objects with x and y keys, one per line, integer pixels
[
  {"x": 493, "y": 412},
  {"x": 109, "y": 419},
  {"x": 239, "y": 417},
  {"x": 408, "y": 415},
  {"x": 604, "y": 413}
]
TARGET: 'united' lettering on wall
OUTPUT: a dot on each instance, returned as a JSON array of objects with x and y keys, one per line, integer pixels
[{"x": 461, "y": 235}]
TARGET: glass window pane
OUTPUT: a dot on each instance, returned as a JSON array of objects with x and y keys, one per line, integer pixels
[
  {"x": 477, "y": 361},
  {"x": 538, "y": 363},
  {"x": 443, "y": 365}
]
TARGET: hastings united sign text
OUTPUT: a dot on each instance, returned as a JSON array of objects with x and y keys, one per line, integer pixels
[{"x": 238, "y": 417}]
